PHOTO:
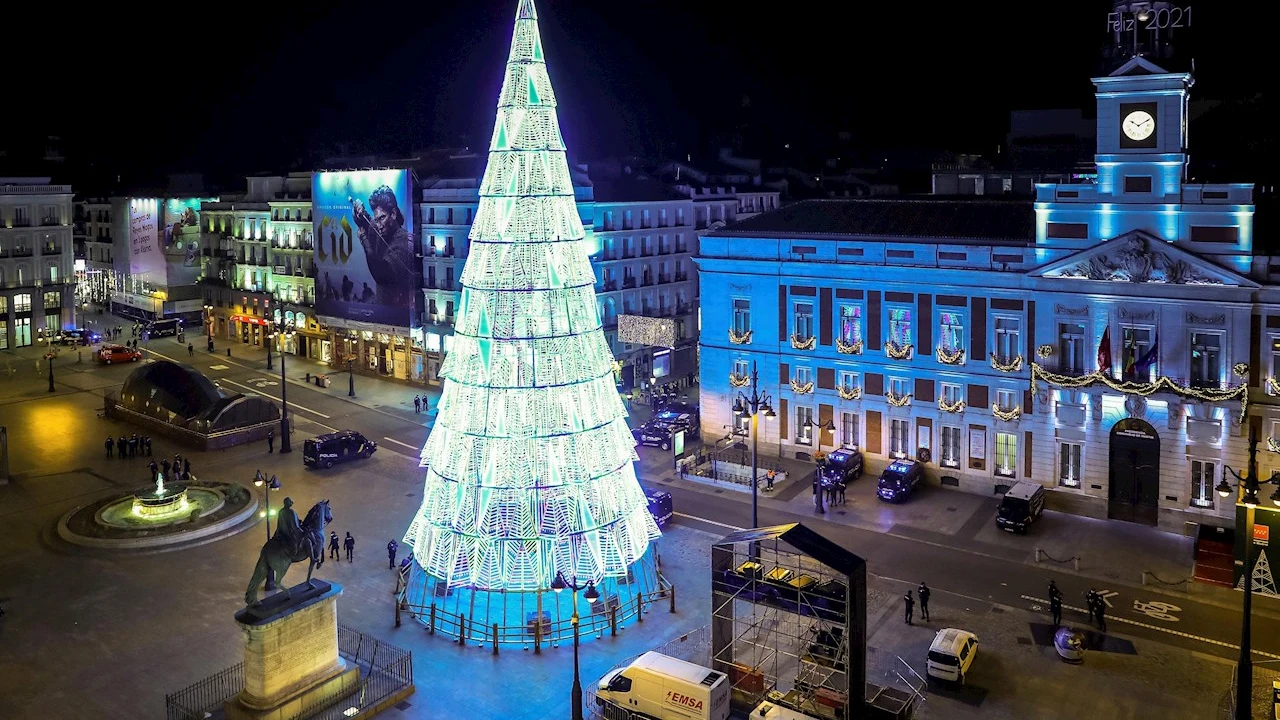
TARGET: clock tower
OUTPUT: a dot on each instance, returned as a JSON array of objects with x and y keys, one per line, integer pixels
[{"x": 1142, "y": 133}]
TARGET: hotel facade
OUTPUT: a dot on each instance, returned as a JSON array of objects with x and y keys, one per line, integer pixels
[{"x": 1112, "y": 341}]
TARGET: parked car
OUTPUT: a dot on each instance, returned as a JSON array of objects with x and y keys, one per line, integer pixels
[
  {"x": 899, "y": 479},
  {"x": 79, "y": 336},
  {"x": 842, "y": 467},
  {"x": 118, "y": 353},
  {"x": 336, "y": 447},
  {"x": 660, "y": 430},
  {"x": 1021, "y": 506},
  {"x": 951, "y": 655}
]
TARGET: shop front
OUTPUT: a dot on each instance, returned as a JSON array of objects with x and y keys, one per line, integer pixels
[
  {"x": 397, "y": 354},
  {"x": 249, "y": 330}
]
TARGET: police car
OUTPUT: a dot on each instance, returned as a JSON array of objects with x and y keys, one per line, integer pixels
[
  {"x": 899, "y": 479},
  {"x": 336, "y": 447},
  {"x": 659, "y": 431},
  {"x": 842, "y": 467},
  {"x": 660, "y": 505}
]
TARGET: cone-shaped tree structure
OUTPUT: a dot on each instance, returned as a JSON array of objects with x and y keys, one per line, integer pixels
[{"x": 529, "y": 465}]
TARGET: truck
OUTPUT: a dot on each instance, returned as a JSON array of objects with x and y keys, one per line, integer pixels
[{"x": 665, "y": 688}]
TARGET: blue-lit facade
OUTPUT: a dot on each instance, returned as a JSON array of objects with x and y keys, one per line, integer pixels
[{"x": 1112, "y": 341}]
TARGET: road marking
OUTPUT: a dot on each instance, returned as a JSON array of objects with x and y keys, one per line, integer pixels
[
  {"x": 317, "y": 423},
  {"x": 219, "y": 367},
  {"x": 1157, "y": 610},
  {"x": 1106, "y": 595},
  {"x": 709, "y": 522},
  {"x": 292, "y": 406},
  {"x": 1149, "y": 626},
  {"x": 391, "y": 439}
]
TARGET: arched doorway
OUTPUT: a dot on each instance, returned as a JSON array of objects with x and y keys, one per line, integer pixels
[{"x": 1135, "y": 472}]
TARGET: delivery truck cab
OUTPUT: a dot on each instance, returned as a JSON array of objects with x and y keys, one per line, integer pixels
[{"x": 665, "y": 688}]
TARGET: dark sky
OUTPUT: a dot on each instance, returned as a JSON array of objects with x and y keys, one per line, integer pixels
[{"x": 239, "y": 87}]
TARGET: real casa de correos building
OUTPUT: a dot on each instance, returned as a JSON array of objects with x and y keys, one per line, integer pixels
[{"x": 1112, "y": 341}]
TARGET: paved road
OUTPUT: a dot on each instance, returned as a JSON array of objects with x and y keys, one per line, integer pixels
[{"x": 1179, "y": 621}]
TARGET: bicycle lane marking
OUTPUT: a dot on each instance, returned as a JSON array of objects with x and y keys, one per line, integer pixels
[{"x": 1149, "y": 626}]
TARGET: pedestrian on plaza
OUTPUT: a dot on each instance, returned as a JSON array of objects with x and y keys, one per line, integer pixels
[
  {"x": 1055, "y": 609},
  {"x": 177, "y": 460},
  {"x": 910, "y": 605},
  {"x": 165, "y": 464},
  {"x": 133, "y": 445},
  {"x": 122, "y": 447},
  {"x": 1091, "y": 604},
  {"x": 146, "y": 440},
  {"x": 768, "y": 479},
  {"x": 426, "y": 402},
  {"x": 840, "y": 499},
  {"x": 271, "y": 441},
  {"x": 923, "y": 592},
  {"x": 191, "y": 350},
  {"x": 1100, "y": 611},
  {"x": 153, "y": 468},
  {"x": 417, "y": 404},
  {"x": 110, "y": 443},
  {"x": 186, "y": 466},
  {"x": 392, "y": 548},
  {"x": 350, "y": 544},
  {"x": 333, "y": 546}
]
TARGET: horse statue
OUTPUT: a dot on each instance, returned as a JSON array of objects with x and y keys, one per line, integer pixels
[{"x": 277, "y": 554}]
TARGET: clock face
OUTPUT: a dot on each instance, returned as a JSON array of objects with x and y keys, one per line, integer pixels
[{"x": 1138, "y": 125}]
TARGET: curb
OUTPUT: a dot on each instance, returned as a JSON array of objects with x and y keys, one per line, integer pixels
[{"x": 167, "y": 542}]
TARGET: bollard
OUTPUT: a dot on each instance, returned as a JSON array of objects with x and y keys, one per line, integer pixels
[
  {"x": 1144, "y": 578},
  {"x": 431, "y": 623},
  {"x": 537, "y": 636},
  {"x": 495, "y": 638},
  {"x": 639, "y": 608},
  {"x": 462, "y": 630},
  {"x": 397, "y": 612},
  {"x": 613, "y": 621},
  {"x": 308, "y": 377},
  {"x": 673, "y": 598},
  {"x": 228, "y": 352},
  {"x": 1075, "y": 562},
  {"x": 1037, "y": 554}
]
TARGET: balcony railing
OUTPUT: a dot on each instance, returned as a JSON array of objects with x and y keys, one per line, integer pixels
[{"x": 628, "y": 283}]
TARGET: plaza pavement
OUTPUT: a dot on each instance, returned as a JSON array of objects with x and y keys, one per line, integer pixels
[{"x": 107, "y": 636}]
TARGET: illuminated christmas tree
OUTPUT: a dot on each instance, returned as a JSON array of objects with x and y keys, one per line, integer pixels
[{"x": 529, "y": 465}]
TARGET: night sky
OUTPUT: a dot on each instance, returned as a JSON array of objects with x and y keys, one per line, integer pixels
[{"x": 241, "y": 88}]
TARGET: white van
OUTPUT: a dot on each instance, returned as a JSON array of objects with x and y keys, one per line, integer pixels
[
  {"x": 951, "y": 654},
  {"x": 666, "y": 688}
]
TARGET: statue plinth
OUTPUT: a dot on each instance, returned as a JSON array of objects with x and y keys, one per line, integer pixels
[{"x": 291, "y": 656}]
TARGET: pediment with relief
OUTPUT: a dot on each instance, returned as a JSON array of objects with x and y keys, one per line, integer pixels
[{"x": 1137, "y": 257}]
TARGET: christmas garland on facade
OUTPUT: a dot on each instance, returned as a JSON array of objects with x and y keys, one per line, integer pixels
[
  {"x": 1007, "y": 415},
  {"x": 801, "y": 388},
  {"x": 1142, "y": 389},
  {"x": 742, "y": 338},
  {"x": 949, "y": 357},
  {"x": 1013, "y": 365},
  {"x": 955, "y": 407},
  {"x": 800, "y": 343},
  {"x": 896, "y": 351},
  {"x": 737, "y": 380},
  {"x": 847, "y": 348},
  {"x": 898, "y": 400},
  {"x": 852, "y": 393}
]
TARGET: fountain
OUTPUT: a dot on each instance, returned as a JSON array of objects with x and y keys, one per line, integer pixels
[{"x": 163, "y": 504}]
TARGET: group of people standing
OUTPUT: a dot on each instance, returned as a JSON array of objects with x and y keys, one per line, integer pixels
[
  {"x": 127, "y": 447},
  {"x": 1094, "y": 602},
  {"x": 909, "y": 603},
  {"x": 421, "y": 403}
]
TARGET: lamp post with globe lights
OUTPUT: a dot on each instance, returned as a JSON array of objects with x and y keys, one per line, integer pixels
[
  {"x": 267, "y": 486},
  {"x": 1250, "y": 492},
  {"x": 753, "y": 406},
  {"x": 284, "y": 329},
  {"x": 591, "y": 595}
]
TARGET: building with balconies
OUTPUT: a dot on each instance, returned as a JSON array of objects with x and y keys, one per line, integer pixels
[
  {"x": 260, "y": 266},
  {"x": 37, "y": 260},
  {"x": 95, "y": 246},
  {"x": 1113, "y": 341},
  {"x": 641, "y": 233}
]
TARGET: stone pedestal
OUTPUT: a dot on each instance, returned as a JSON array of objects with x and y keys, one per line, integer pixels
[{"x": 291, "y": 657}]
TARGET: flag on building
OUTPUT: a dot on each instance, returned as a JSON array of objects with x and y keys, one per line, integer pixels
[
  {"x": 1142, "y": 368},
  {"x": 1104, "y": 352}
]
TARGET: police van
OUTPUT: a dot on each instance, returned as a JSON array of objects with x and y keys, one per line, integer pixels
[{"x": 325, "y": 450}]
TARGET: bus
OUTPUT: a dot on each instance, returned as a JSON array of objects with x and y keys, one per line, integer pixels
[{"x": 164, "y": 326}]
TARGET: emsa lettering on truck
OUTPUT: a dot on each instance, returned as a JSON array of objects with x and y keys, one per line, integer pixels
[{"x": 676, "y": 698}]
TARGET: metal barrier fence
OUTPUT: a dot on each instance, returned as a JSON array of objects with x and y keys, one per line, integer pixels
[{"x": 385, "y": 670}]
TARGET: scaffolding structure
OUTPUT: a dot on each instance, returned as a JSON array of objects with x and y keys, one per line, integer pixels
[{"x": 789, "y": 626}]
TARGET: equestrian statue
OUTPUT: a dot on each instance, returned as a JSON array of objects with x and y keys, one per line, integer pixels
[{"x": 293, "y": 542}]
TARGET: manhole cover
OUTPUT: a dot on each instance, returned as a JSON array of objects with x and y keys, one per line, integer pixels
[
  {"x": 719, "y": 491},
  {"x": 403, "y": 705},
  {"x": 1024, "y": 641}
]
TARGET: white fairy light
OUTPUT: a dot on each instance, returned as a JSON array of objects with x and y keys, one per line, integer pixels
[{"x": 529, "y": 465}]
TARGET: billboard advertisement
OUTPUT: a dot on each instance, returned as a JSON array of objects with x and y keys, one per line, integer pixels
[
  {"x": 146, "y": 257},
  {"x": 366, "y": 269},
  {"x": 181, "y": 242}
]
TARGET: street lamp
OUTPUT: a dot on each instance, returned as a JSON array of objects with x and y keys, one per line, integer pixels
[
  {"x": 822, "y": 426},
  {"x": 285, "y": 329},
  {"x": 351, "y": 377},
  {"x": 260, "y": 481},
  {"x": 1251, "y": 488},
  {"x": 591, "y": 595},
  {"x": 753, "y": 405},
  {"x": 208, "y": 322},
  {"x": 49, "y": 356}
]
